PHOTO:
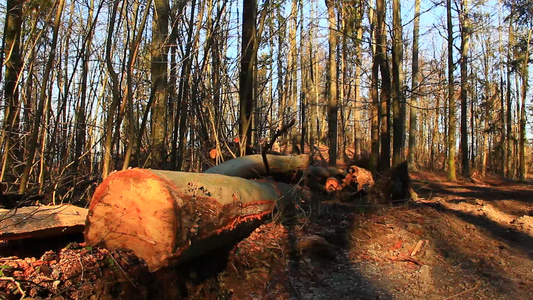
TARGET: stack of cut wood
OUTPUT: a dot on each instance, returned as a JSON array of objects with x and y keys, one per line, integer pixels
[{"x": 165, "y": 216}]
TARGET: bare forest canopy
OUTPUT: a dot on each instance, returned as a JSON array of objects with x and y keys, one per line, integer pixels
[{"x": 89, "y": 87}]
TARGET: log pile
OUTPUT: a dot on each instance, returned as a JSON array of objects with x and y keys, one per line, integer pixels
[{"x": 166, "y": 217}]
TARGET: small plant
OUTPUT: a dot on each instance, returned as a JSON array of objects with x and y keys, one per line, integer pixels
[{"x": 2, "y": 267}]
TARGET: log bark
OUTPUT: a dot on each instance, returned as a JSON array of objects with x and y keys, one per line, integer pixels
[
  {"x": 165, "y": 217},
  {"x": 41, "y": 221},
  {"x": 252, "y": 166}
]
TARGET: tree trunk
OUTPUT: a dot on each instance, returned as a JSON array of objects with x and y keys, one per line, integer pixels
[
  {"x": 374, "y": 113},
  {"x": 159, "y": 66},
  {"x": 465, "y": 36},
  {"x": 385, "y": 95},
  {"x": 246, "y": 78},
  {"x": 414, "y": 91},
  {"x": 398, "y": 99},
  {"x": 332, "y": 84},
  {"x": 522, "y": 170},
  {"x": 451, "y": 97},
  {"x": 165, "y": 216}
]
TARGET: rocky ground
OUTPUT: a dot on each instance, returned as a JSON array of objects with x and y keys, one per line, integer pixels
[{"x": 462, "y": 240}]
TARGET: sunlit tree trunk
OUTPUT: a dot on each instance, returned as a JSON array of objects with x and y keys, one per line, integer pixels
[
  {"x": 522, "y": 170},
  {"x": 385, "y": 95},
  {"x": 374, "y": 113},
  {"x": 414, "y": 90},
  {"x": 357, "y": 136},
  {"x": 508, "y": 115},
  {"x": 451, "y": 97},
  {"x": 159, "y": 67}
]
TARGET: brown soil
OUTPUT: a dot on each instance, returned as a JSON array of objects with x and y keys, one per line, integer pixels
[{"x": 461, "y": 240}]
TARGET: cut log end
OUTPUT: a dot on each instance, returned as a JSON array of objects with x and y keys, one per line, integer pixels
[
  {"x": 134, "y": 210},
  {"x": 333, "y": 184}
]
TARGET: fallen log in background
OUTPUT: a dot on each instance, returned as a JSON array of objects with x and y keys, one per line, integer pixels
[
  {"x": 41, "y": 221},
  {"x": 165, "y": 216},
  {"x": 252, "y": 166}
]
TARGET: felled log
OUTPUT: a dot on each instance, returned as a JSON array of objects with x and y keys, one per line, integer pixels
[
  {"x": 252, "y": 166},
  {"x": 165, "y": 216},
  {"x": 326, "y": 172},
  {"x": 41, "y": 221}
]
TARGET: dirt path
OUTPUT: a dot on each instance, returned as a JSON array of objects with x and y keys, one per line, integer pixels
[{"x": 459, "y": 240}]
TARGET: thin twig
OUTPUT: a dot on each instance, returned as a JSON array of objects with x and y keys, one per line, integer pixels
[
  {"x": 272, "y": 141},
  {"x": 22, "y": 293},
  {"x": 464, "y": 292}
]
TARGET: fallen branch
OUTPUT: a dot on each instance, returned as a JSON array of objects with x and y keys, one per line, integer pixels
[
  {"x": 464, "y": 292},
  {"x": 22, "y": 293},
  {"x": 41, "y": 221}
]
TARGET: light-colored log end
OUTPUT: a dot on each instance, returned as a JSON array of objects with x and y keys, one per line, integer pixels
[{"x": 134, "y": 210}]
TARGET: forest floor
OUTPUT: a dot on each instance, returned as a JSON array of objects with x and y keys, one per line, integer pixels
[{"x": 460, "y": 240}]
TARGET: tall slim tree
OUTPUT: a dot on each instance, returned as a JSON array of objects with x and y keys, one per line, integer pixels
[
  {"x": 332, "y": 83},
  {"x": 397, "y": 80},
  {"x": 414, "y": 90},
  {"x": 246, "y": 78},
  {"x": 374, "y": 112},
  {"x": 465, "y": 40},
  {"x": 522, "y": 170},
  {"x": 385, "y": 95},
  {"x": 159, "y": 67},
  {"x": 451, "y": 97}
]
